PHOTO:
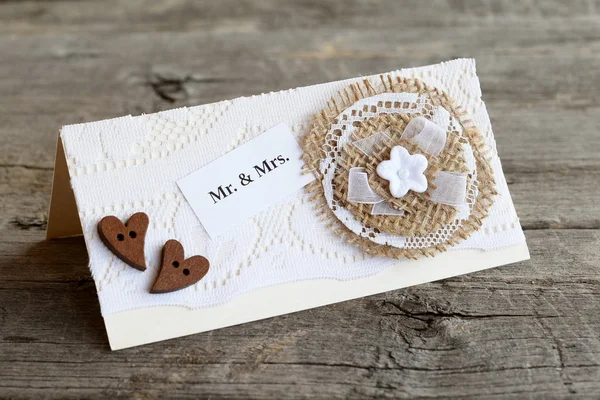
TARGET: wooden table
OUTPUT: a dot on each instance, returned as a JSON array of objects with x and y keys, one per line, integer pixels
[{"x": 525, "y": 330}]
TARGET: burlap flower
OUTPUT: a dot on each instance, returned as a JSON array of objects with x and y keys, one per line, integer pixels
[{"x": 358, "y": 133}]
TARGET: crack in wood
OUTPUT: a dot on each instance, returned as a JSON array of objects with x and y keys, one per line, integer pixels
[
  {"x": 30, "y": 223},
  {"x": 26, "y": 166},
  {"x": 440, "y": 313},
  {"x": 171, "y": 87},
  {"x": 559, "y": 356},
  {"x": 591, "y": 224}
]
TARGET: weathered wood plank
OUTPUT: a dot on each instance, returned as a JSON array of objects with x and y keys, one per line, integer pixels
[
  {"x": 520, "y": 329},
  {"x": 31, "y": 17},
  {"x": 98, "y": 77}
]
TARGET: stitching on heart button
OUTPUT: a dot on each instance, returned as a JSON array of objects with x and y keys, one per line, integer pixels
[
  {"x": 177, "y": 272},
  {"x": 127, "y": 240}
]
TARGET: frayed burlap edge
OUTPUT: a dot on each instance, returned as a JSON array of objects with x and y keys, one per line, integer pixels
[{"x": 313, "y": 145}]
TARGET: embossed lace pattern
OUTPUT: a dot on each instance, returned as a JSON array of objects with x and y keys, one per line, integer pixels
[{"x": 131, "y": 164}]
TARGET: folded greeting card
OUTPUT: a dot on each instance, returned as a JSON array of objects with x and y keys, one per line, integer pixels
[{"x": 205, "y": 217}]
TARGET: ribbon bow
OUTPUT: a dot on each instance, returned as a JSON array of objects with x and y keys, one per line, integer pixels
[{"x": 405, "y": 171}]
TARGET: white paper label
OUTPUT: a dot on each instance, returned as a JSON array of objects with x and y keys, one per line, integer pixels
[{"x": 245, "y": 181}]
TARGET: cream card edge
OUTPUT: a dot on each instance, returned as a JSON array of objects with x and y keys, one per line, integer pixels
[
  {"x": 152, "y": 324},
  {"x": 63, "y": 217}
]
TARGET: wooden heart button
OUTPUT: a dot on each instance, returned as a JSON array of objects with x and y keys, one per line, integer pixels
[
  {"x": 126, "y": 241},
  {"x": 176, "y": 272}
]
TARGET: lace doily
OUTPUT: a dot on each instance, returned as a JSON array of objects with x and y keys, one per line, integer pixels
[{"x": 336, "y": 126}]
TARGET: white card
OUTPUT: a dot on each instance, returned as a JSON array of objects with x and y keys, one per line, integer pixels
[
  {"x": 245, "y": 181},
  {"x": 262, "y": 264}
]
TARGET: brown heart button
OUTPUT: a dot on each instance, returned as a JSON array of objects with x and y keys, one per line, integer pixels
[
  {"x": 126, "y": 241},
  {"x": 176, "y": 272}
]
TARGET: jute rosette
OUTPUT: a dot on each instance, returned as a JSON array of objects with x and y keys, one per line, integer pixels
[{"x": 422, "y": 217}]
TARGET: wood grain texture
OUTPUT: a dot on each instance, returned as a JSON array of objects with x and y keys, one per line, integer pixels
[{"x": 527, "y": 330}]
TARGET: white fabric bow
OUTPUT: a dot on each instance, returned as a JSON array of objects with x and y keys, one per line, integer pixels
[{"x": 405, "y": 171}]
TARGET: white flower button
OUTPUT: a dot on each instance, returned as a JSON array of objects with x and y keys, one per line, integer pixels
[{"x": 404, "y": 171}]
